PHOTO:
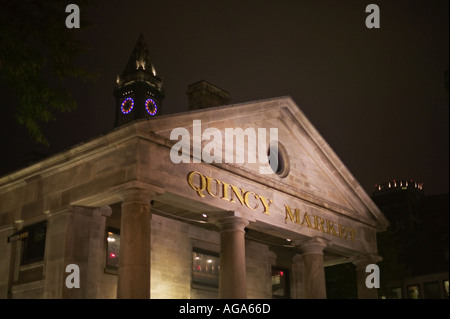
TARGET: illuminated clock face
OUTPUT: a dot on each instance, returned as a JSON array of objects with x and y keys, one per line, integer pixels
[
  {"x": 127, "y": 105},
  {"x": 150, "y": 107}
]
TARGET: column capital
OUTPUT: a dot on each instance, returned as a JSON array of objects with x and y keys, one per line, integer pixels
[
  {"x": 231, "y": 220},
  {"x": 314, "y": 245},
  {"x": 105, "y": 211},
  {"x": 137, "y": 191},
  {"x": 232, "y": 223}
]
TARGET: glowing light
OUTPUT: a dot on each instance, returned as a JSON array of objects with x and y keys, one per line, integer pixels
[
  {"x": 204, "y": 215},
  {"x": 209, "y": 261},
  {"x": 151, "y": 107},
  {"x": 127, "y": 105},
  {"x": 110, "y": 239},
  {"x": 281, "y": 273},
  {"x": 112, "y": 255},
  {"x": 140, "y": 64}
]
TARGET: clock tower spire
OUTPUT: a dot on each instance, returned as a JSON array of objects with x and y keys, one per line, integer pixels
[{"x": 139, "y": 89}]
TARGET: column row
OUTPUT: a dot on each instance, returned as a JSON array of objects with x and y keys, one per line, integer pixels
[{"x": 135, "y": 248}]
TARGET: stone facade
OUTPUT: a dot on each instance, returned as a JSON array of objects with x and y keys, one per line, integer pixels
[{"x": 315, "y": 215}]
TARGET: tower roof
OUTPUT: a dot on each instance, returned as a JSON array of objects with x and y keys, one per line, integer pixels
[{"x": 140, "y": 59}]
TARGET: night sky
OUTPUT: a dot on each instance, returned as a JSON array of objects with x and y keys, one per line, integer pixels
[{"x": 377, "y": 96}]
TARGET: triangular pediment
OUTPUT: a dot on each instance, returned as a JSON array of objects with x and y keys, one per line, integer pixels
[{"x": 313, "y": 172}]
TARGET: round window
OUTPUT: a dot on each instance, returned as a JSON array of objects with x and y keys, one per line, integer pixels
[{"x": 278, "y": 160}]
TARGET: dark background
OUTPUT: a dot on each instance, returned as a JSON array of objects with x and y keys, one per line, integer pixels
[{"x": 377, "y": 96}]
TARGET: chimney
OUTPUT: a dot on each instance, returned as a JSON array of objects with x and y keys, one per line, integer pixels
[{"x": 203, "y": 94}]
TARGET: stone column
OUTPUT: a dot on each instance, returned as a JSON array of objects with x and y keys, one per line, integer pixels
[
  {"x": 85, "y": 243},
  {"x": 134, "y": 264},
  {"x": 233, "y": 272},
  {"x": 314, "y": 286},
  {"x": 55, "y": 252},
  {"x": 75, "y": 235},
  {"x": 361, "y": 275},
  {"x": 297, "y": 277}
]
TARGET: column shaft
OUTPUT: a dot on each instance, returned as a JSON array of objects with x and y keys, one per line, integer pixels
[
  {"x": 314, "y": 286},
  {"x": 134, "y": 264},
  {"x": 233, "y": 273}
]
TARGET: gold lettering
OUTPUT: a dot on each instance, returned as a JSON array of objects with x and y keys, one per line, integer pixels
[
  {"x": 343, "y": 232},
  {"x": 306, "y": 218},
  {"x": 198, "y": 189},
  {"x": 225, "y": 191},
  {"x": 288, "y": 214},
  {"x": 239, "y": 193},
  {"x": 330, "y": 228},
  {"x": 318, "y": 226},
  {"x": 266, "y": 203},
  {"x": 353, "y": 234},
  {"x": 246, "y": 199},
  {"x": 208, "y": 186}
]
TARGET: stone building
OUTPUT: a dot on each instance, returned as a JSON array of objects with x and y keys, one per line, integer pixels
[{"x": 155, "y": 209}]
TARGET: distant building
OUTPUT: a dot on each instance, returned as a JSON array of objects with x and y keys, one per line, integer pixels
[
  {"x": 400, "y": 201},
  {"x": 421, "y": 225}
]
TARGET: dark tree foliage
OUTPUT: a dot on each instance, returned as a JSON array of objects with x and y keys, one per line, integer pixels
[{"x": 37, "y": 54}]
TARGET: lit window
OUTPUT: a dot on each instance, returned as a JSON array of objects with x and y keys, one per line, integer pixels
[
  {"x": 205, "y": 269},
  {"x": 280, "y": 283},
  {"x": 112, "y": 251},
  {"x": 413, "y": 292},
  {"x": 446, "y": 288}
]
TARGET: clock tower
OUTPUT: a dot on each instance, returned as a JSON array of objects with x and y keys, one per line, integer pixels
[{"x": 139, "y": 89}]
